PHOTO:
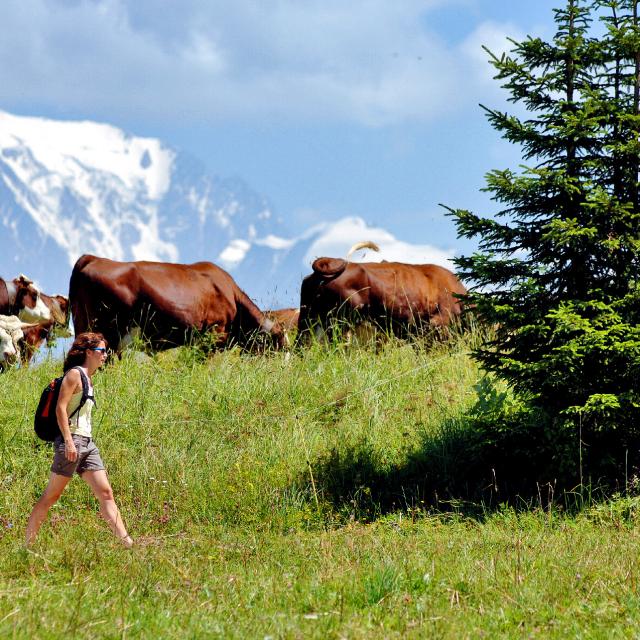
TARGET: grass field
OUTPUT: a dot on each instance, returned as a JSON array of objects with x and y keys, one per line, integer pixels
[{"x": 245, "y": 482}]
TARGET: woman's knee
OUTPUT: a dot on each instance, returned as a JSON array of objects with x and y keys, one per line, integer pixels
[{"x": 104, "y": 494}]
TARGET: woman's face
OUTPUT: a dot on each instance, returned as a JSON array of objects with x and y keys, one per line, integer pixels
[{"x": 97, "y": 355}]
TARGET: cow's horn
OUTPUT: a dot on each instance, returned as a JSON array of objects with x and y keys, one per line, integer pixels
[{"x": 367, "y": 244}]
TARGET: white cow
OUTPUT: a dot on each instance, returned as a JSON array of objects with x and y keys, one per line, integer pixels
[{"x": 10, "y": 334}]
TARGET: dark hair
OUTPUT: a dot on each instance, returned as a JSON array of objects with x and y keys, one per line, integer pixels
[{"x": 78, "y": 351}]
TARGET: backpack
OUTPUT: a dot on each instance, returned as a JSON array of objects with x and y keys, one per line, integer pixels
[{"x": 45, "y": 421}]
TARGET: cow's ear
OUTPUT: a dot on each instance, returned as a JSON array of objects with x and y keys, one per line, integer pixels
[
  {"x": 22, "y": 279},
  {"x": 329, "y": 266}
]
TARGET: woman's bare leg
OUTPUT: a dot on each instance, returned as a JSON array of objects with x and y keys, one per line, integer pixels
[
  {"x": 51, "y": 494},
  {"x": 99, "y": 483}
]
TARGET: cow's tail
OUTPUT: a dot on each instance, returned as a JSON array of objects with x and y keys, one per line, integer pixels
[{"x": 367, "y": 244}]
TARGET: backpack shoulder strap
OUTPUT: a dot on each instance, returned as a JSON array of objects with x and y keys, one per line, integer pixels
[{"x": 85, "y": 392}]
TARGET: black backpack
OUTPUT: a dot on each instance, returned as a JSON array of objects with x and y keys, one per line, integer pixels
[{"x": 45, "y": 422}]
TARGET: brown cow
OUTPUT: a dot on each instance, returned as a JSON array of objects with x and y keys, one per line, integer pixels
[
  {"x": 59, "y": 307},
  {"x": 163, "y": 303},
  {"x": 287, "y": 319},
  {"x": 35, "y": 335},
  {"x": 20, "y": 297},
  {"x": 391, "y": 295}
]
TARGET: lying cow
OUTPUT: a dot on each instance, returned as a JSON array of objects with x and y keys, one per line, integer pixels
[
  {"x": 164, "y": 303},
  {"x": 393, "y": 296},
  {"x": 20, "y": 297}
]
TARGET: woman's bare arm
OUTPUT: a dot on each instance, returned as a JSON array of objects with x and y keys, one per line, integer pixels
[{"x": 71, "y": 384}]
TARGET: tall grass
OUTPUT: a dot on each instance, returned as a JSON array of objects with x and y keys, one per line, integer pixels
[{"x": 255, "y": 488}]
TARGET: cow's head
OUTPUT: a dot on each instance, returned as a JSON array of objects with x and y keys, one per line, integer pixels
[
  {"x": 8, "y": 349},
  {"x": 277, "y": 337},
  {"x": 59, "y": 307},
  {"x": 27, "y": 301},
  {"x": 10, "y": 334}
]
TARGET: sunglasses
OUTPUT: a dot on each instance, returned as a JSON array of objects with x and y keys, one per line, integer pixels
[{"x": 101, "y": 349}]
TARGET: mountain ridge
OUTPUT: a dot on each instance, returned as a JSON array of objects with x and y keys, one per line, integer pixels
[{"x": 74, "y": 187}]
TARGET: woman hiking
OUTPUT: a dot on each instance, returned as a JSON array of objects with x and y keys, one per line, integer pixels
[{"x": 74, "y": 449}]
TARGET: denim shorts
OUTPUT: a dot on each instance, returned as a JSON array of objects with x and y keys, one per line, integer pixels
[{"x": 88, "y": 457}]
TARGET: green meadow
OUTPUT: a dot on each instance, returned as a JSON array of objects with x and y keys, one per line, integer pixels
[{"x": 284, "y": 497}]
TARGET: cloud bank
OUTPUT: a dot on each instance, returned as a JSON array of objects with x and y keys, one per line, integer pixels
[{"x": 371, "y": 62}]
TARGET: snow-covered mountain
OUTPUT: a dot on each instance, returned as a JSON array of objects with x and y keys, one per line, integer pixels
[{"x": 68, "y": 188}]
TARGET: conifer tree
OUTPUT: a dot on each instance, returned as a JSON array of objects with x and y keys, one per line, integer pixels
[{"x": 557, "y": 270}]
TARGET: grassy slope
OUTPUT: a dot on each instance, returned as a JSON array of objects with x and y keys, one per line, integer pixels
[{"x": 212, "y": 464}]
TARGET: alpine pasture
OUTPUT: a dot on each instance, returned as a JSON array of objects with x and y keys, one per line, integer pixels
[{"x": 243, "y": 481}]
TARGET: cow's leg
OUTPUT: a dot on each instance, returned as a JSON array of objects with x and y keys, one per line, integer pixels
[
  {"x": 26, "y": 353},
  {"x": 320, "y": 333},
  {"x": 440, "y": 322},
  {"x": 129, "y": 338}
]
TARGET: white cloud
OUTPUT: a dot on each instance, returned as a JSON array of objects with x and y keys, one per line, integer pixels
[
  {"x": 495, "y": 37},
  {"x": 337, "y": 238},
  {"x": 234, "y": 253},
  {"x": 275, "y": 242},
  {"x": 367, "y": 61}
]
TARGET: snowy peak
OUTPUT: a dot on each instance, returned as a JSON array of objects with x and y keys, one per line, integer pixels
[
  {"x": 68, "y": 188},
  {"x": 88, "y": 186},
  {"x": 70, "y": 149}
]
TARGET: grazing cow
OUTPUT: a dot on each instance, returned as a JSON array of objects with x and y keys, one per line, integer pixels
[
  {"x": 35, "y": 335},
  {"x": 47, "y": 316},
  {"x": 286, "y": 319},
  {"x": 59, "y": 307},
  {"x": 394, "y": 296},
  {"x": 20, "y": 297},
  {"x": 11, "y": 332},
  {"x": 163, "y": 303}
]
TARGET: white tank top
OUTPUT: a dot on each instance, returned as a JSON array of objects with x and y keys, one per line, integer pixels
[{"x": 80, "y": 424}]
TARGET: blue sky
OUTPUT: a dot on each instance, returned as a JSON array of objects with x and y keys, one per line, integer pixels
[{"x": 328, "y": 108}]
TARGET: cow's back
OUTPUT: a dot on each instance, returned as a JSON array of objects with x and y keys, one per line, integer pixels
[
  {"x": 400, "y": 293},
  {"x": 415, "y": 292},
  {"x": 165, "y": 301},
  {"x": 197, "y": 295}
]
